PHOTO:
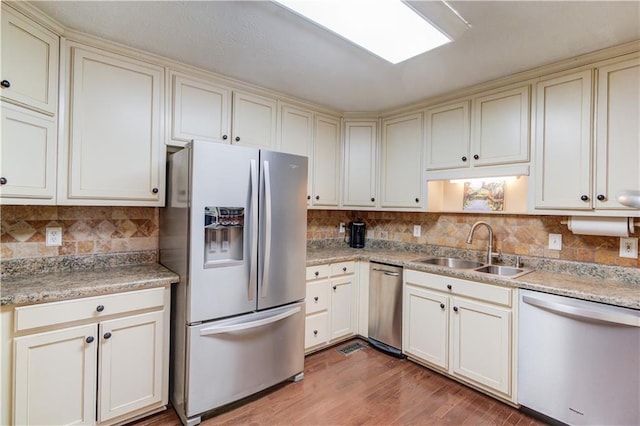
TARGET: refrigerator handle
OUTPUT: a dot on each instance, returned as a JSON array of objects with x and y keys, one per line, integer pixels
[
  {"x": 267, "y": 230},
  {"x": 221, "y": 329},
  {"x": 253, "y": 260}
]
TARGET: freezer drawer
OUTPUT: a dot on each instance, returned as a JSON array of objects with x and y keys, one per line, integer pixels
[{"x": 234, "y": 358}]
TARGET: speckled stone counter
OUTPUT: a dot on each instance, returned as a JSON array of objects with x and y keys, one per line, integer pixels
[
  {"x": 52, "y": 286},
  {"x": 599, "y": 283}
]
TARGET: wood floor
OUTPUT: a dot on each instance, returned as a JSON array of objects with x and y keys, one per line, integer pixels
[{"x": 365, "y": 387}]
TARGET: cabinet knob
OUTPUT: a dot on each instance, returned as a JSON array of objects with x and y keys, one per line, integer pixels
[
  {"x": 344, "y": 269},
  {"x": 89, "y": 339},
  {"x": 5, "y": 84},
  {"x": 464, "y": 158},
  {"x": 373, "y": 199},
  {"x": 3, "y": 180},
  {"x": 442, "y": 306},
  {"x": 449, "y": 286},
  {"x": 107, "y": 335},
  {"x": 308, "y": 197},
  {"x": 316, "y": 273},
  {"x": 315, "y": 299},
  {"x": 225, "y": 137},
  {"x": 417, "y": 200},
  {"x": 455, "y": 309},
  {"x": 100, "y": 308},
  {"x": 315, "y": 332},
  {"x": 237, "y": 138},
  {"x": 317, "y": 197},
  {"x": 584, "y": 197},
  {"x": 601, "y": 197},
  {"x": 154, "y": 190},
  {"x": 476, "y": 156},
  {"x": 335, "y": 287}
]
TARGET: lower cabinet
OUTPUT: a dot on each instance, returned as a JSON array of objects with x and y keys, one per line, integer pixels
[
  {"x": 462, "y": 328},
  {"x": 108, "y": 369},
  {"x": 331, "y": 304}
]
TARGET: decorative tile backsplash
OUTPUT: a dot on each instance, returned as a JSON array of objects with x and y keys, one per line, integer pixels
[
  {"x": 514, "y": 234},
  {"x": 85, "y": 230}
]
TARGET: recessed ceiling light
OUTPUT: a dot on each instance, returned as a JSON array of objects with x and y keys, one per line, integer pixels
[{"x": 387, "y": 28}]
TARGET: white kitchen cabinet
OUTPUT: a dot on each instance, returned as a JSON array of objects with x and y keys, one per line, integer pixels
[
  {"x": 331, "y": 304},
  {"x": 462, "y": 328},
  {"x": 326, "y": 162},
  {"x": 29, "y": 63},
  {"x": 108, "y": 354},
  {"x": 617, "y": 137},
  {"x": 254, "y": 121},
  {"x": 27, "y": 157},
  {"x": 360, "y": 163},
  {"x": 563, "y": 142},
  {"x": 296, "y": 137},
  {"x": 448, "y": 136},
  {"x": 113, "y": 151},
  {"x": 401, "y": 181},
  {"x": 200, "y": 110}
]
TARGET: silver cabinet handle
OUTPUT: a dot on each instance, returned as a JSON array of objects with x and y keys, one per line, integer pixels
[
  {"x": 253, "y": 211},
  {"x": 575, "y": 312},
  {"x": 221, "y": 329}
]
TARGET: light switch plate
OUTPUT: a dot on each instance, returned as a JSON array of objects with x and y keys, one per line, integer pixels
[
  {"x": 417, "y": 230},
  {"x": 629, "y": 247},
  {"x": 54, "y": 236},
  {"x": 341, "y": 229},
  {"x": 555, "y": 241}
]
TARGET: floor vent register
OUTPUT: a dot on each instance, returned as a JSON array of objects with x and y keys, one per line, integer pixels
[{"x": 351, "y": 348}]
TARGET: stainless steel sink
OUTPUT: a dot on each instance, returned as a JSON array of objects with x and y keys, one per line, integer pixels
[
  {"x": 503, "y": 271},
  {"x": 450, "y": 262}
]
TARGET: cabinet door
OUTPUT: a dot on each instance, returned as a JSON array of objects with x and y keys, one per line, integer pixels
[
  {"x": 27, "y": 157},
  {"x": 401, "y": 182},
  {"x": 114, "y": 150},
  {"x": 296, "y": 137},
  {"x": 254, "y": 121},
  {"x": 131, "y": 364},
  {"x": 426, "y": 326},
  {"x": 563, "y": 142},
  {"x": 55, "y": 377},
  {"x": 29, "y": 63},
  {"x": 618, "y": 133},
  {"x": 447, "y": 137},
  {"x": 360, "y": 164},
  {"x": 481, "y": 344},
  {"x": 199, "y": 110},
  {"x": 501, "y": 128},
  {"x": 326, "y": 162},
  {"x": 343, "y": 307}
]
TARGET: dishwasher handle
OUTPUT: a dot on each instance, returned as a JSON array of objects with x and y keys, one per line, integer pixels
[
  {"x": 582, "y": 313},
  {"x": 387, "y": 272}
]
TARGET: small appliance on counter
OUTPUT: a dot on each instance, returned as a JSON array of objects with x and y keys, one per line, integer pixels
[{"x": 357, "y": 231}]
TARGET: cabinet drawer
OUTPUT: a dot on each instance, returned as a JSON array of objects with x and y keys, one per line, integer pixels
[
  {"x": 454, "y": 286},
  {"x": 317, "y": 296},
  {"x": 316, "y": 330},
  {"x": 317, "y": 272},
  {"x": 342, "y": 268},
  {"x": 50, "y": 314}
]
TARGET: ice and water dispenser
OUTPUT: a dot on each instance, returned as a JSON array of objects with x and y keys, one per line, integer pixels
[{"x": 223, "y": 236}]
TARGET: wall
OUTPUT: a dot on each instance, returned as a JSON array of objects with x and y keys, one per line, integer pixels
[
  {"x": 86, "y": 230},
  {"x": 514, "y": 234}
]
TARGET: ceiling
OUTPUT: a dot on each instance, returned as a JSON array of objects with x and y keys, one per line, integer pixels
[{"x": 261, "y": 43}]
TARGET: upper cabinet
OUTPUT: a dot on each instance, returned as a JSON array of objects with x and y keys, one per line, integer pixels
[
  {"x": 360, "y": 163},
  {"x": 113, "y": 151},
  {"x": 402, "y": 185},
  {"x": 326, "y": 162},
  {"x": 296, "y": 137},
  {"x": 29, "y": 63},
  {"x": 489, "y": 129},
  {"x": 254, "y": 121},
  {"x": 577, "y": 167}
]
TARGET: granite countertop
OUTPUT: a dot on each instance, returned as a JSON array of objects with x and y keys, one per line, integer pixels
[
  {"x": 53, "y": 286},
  {"x": 599, "y": 283}
]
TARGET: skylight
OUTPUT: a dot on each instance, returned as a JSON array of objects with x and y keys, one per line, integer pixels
[{"x": 387, "y": 28}]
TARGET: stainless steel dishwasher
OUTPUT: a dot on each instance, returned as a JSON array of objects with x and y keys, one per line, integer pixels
[{"x": 385, "y": 307}]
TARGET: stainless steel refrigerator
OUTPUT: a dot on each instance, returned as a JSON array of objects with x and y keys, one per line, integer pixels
[{"x": 234, "y": 229}]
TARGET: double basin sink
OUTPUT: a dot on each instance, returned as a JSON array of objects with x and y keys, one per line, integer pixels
[{"x": 455, "y": 263}]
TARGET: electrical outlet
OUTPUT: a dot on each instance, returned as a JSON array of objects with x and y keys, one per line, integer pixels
[
  {"x": 341, "y": 229},
  {"x": 555, "y": 241},
  {"x": 417, "y": 230},
  {"x": 629, "y": 247},
  {"x": 54, "y": 236}
]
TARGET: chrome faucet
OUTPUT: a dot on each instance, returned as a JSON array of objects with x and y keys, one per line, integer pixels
[{"x": 490, "y": 253}]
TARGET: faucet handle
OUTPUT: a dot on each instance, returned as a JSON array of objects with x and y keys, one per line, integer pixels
[
  {"x": 518, "y": 262},
  {"x": 497, "y": 255}
]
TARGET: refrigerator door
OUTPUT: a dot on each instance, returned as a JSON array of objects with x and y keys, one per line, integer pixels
[
  {"x": 283, "y": 229},
  {"x": 223, "y": 219}
]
